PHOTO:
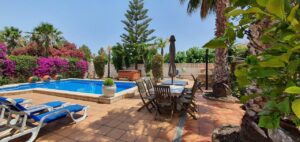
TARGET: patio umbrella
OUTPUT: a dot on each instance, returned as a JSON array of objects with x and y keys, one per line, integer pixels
[{"x": 172, "y": 67}]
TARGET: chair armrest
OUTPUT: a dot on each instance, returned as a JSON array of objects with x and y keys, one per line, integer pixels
[{"x": 37, "y": 108}]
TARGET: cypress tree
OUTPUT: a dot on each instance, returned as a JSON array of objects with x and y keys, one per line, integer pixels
[{"x": 137, "y": 30}]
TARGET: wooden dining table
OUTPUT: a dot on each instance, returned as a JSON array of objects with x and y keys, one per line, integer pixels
[{"x": 176, "y": 92}]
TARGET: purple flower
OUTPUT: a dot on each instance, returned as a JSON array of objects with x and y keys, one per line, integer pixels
[
  {"x": 3, "y": 51},
  {"x": 51, "y": 66},
  {"x": 82, "y": 65},
  {"x": 7, "y": 67}
]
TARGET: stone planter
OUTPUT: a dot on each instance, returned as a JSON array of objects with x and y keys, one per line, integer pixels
[{"x": 109, "y": 91}]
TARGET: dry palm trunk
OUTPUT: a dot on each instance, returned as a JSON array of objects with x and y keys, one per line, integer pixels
[
  {"x": 221, "y": 71},
  {"x": 255, "y": 46}
]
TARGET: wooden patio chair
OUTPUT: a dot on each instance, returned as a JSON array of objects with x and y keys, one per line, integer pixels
[
  {"x": 188, "y": 104},
  {"x": 163, "y": 99},
  {"x": 147, "y": 99},
  {"x": 149, "y": 83},
  {"x": 199, "y": 85}
]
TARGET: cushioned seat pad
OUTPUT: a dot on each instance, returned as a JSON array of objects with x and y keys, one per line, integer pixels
[{"x": 70, "y": 108}]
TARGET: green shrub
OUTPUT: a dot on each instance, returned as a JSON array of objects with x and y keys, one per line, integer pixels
[
  {"x": 99, "y": 63},
  {"x": 108, "y": 82},
  {"x": 4, "y": 80},
  {"x": 118, "y": 57},
  {"x": 73, "y": 71},
  {"x": 157, "y": 67},
  {"x": 25, "y": 66},
  {"x": 35, "y": 79}
]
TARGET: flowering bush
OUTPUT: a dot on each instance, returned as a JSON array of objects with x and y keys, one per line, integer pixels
[
  {"x": 51, "y": 66},
  {"x": 68, "y": 50},
  {"x": 3, "y": 51},
  {"x": 25, "y": 66},
  {"x": 82, "y": 65},
  {"x": 7, "y": 67},
  {"x": 31, "y": 49}
]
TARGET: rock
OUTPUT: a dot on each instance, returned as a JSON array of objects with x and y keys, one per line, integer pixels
[
  {"x": 280, "y": 135},
  {"x": 227, "y": 133},
  {"x": 251, "y": 132}
]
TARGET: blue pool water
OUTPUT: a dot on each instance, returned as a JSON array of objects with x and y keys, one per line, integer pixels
[{"x": 83, "y": 86}]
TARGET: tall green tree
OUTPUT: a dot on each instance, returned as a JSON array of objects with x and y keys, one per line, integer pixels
[
  {"x": 118, "y": 55},
  {"x": 46, "y": 36},
  {"x": 87, "y": 52},
  {"x": 12, "y": 37},
  {"x": 100, "y": 62},
  {"x": 180, "y": 57},
  {"x": 221, "y": 71},
  {"x": 137, "y": 30}
]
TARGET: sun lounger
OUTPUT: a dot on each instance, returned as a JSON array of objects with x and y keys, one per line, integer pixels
[{"x": 41, "y": 118}]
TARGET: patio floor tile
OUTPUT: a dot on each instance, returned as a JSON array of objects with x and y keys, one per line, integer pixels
[{"x": 115, "y": 133}]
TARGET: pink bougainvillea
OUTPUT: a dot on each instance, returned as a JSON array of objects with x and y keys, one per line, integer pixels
[
  {"x": 68, "y": 50},
  {"x": 82, "y": 65},
  {"x": 3, "y": 51},
  {"x": 7, "y": 67},
  {"x": 51, "y": 66}
]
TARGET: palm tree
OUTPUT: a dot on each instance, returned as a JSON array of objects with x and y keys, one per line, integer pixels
[
  {"x": 221, "y": 71},
  {"x": 161, "y": 43},
  {"x": 46, "y": 36},
  {"x": 12, "y": 37}
]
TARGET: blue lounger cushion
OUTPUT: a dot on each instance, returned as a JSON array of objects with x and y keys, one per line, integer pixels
[
  {"x": 19, "y": 100},
  {"x": 54, "y": 104},
  {"x": 71, "y": 108}
]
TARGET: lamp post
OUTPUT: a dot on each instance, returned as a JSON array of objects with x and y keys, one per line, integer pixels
[
  {"x": 206, "y": 69},
  {"x": 108, "y": 66}
]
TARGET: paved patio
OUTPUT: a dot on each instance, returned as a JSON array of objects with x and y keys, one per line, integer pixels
[{"x": 121, "y": 122}]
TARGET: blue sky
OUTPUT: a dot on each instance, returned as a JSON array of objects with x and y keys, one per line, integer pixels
[{"x": 97, "y": 23}]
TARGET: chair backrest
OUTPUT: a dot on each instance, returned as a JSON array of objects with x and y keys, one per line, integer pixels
[
  {"x": 141, "y": 88},
  {"x": 11, "y": 104},
  {"x": 194, "y": 78},
  {"x": 195, "y": 86},
  {"x": 162, "y": 93},
  {"x": 149, "y": 83}
]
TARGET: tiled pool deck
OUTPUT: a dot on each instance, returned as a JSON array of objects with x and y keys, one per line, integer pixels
[{"x": 121, "y": 122}]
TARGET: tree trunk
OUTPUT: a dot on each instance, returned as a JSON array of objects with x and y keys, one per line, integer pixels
[
  {"x": 221, "y": 70},
  {"x": 255, "y": 46}
]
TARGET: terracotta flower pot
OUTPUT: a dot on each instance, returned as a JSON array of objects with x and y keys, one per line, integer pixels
[
  {"x": 46, "y": 78},
  {"x": 57, "y": 77},
  {"x": 33, "y": 79}
]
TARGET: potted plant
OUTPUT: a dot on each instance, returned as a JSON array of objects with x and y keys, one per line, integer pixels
[
  {"x": 46, "y": 78},
  {"x": 109, "y": 88},
  {"x": 57, "y": 77},
  {"x": 33, "y": 79}
]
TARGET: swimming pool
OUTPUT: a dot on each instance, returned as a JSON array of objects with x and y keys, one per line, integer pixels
[{"x": 74, "y": 85}]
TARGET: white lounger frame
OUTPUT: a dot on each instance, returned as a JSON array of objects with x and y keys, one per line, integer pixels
[{"x": 35, "y": 131}]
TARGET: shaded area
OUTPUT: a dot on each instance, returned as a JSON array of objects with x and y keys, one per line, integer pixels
[{"x": 212, "y": 114}]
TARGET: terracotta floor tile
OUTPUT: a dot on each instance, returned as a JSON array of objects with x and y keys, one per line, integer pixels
[
  {"x": 145, "y": 139},
  {"x": 103, "y": 130},
  {"x": 128, "y": 137},
  {"x": 115, "y": 133},
  {"x": 125, "y": 126},
  {"x": 113, "y": 123}
]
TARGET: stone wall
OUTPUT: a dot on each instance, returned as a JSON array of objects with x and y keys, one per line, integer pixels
[{"x": 185, "y": 70}]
